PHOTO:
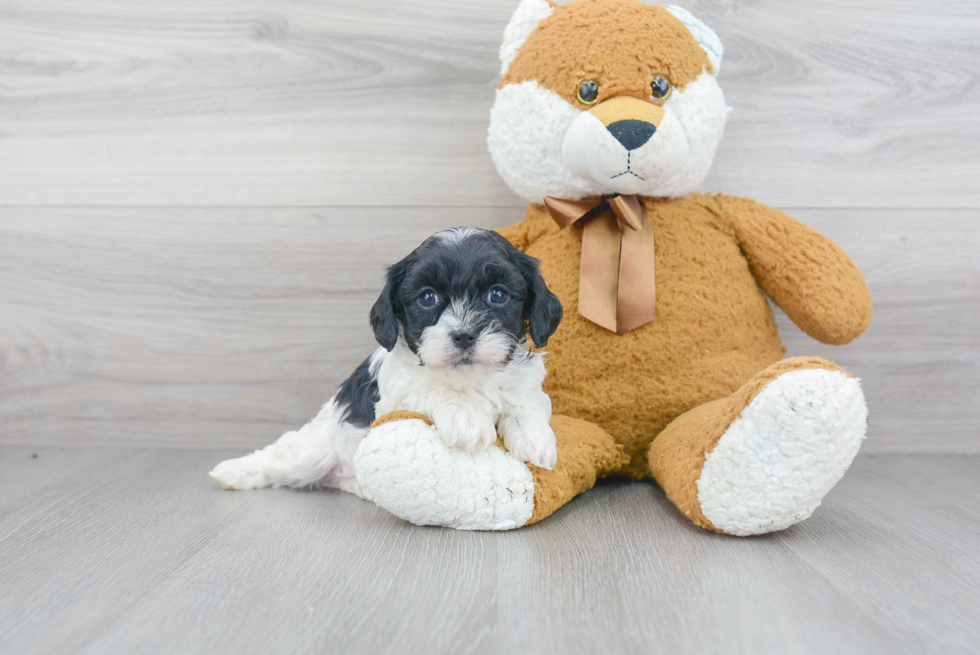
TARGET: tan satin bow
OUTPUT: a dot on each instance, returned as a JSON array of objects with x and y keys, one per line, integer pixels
[{"x": 616, "y": 287}]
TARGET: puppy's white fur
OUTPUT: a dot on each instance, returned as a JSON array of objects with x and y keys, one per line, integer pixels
[{"x": 469, "y": 405}]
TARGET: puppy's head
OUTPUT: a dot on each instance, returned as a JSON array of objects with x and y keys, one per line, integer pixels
[
  {"x": 603, "y": 97},
  {"x": 465, "y": 298}
]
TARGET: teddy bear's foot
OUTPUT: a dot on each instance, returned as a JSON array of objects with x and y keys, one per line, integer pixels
[
  {"x": 405, "y": 467},
  {"x": 763, "y": 459}
]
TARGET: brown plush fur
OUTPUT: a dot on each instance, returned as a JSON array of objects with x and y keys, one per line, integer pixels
[
  {"x": 655, "y": 401},
  {"x": 806, "y": 274},
  {"x": 400, "y": 415},
  {"x": 585, "y": 452},
  {"x": 628, "y": 44},
  {"x": 625, "y": 108},
  {"x": 714, "y": 330}
]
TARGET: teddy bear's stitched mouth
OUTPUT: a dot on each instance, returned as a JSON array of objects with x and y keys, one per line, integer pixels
[{"x": 628, "y": 170}]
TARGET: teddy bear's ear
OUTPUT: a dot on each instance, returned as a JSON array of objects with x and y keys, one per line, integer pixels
[
  {"x": 529, "y": 13},
  {"x": 703, "y": 34}
]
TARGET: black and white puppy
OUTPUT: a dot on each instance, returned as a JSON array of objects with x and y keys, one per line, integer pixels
[{"x": 452, "y": 321}]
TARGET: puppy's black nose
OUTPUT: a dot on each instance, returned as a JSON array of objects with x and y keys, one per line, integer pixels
[
  {"x": 463, "y": 337},
  {"x": 632, "y": 134}
]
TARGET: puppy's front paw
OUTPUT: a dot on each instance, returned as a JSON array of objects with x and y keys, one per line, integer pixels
[
  {"x": 530, "y": 441},
  {"x": 464, "y": 427}
]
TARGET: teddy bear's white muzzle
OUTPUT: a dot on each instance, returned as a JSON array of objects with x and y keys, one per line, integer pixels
[{"x": 627, "y": 161}]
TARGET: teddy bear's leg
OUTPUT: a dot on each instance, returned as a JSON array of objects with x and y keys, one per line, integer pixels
[
  {"x": 763, "y": 458},
  {"x": 404, "y": 466}
]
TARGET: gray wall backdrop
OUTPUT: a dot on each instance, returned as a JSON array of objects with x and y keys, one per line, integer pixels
[{"x": 197, "y": 197}]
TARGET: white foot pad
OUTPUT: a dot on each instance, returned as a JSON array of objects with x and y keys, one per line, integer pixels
[
  {"x": 407, "y": 469},
  {"x": 785, "y": 451}
]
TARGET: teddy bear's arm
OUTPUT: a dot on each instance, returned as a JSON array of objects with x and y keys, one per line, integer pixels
[{"x": 804, "y": 272}]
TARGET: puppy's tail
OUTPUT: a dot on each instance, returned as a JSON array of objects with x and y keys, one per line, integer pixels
[{"x": 302, "y": 458}]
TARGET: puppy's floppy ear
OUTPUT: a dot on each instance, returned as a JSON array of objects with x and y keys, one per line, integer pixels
[
  {"x": 387, "y": 309},
  {"x": 542, "y": 308}
]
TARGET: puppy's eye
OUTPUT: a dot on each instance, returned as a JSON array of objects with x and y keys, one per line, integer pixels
[
  {"x": 660, "y": 88},
  {"x": 428, "y": 298},
  {"x": 497, "y": 296},
  {"x": 588, "y": 92}
]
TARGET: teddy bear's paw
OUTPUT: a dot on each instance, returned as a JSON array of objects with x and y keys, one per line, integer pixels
[
  {"x": 784, "y": 452},
  {"x": 464, "y": 427},
  {"x": 406, "y": 468},
  {"x": 530, "y": 441}
]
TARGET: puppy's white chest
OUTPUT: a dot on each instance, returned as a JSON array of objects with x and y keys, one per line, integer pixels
[
  {"x": 404, "y": 385},
  {"x": 429, "y": 397}
]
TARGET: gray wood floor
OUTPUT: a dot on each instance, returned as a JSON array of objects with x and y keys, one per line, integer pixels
[{"x": 114, "y": 550}]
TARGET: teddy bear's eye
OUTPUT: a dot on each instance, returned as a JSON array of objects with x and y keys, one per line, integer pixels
[
  {"x": 660, "y": 88},
  {"x": 588, "y": 92}
]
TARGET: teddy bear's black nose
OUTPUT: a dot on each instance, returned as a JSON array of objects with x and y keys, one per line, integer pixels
[{"x": 632, "y": 134}]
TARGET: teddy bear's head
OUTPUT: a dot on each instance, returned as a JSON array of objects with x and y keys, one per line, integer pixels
[{"x": 603, "y": 97}]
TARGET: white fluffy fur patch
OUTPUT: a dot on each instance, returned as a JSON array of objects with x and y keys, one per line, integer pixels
[
  {"x": 527, "y": 129},
  {"x": 702, "y": 112},
  {"x": 785, "y": 451},
  {"x": 470, "y": 406},
  {"x": 407, "y": 469}
]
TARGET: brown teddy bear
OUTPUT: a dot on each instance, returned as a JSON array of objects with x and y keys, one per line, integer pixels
[{"x": 668, "y": 364}]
